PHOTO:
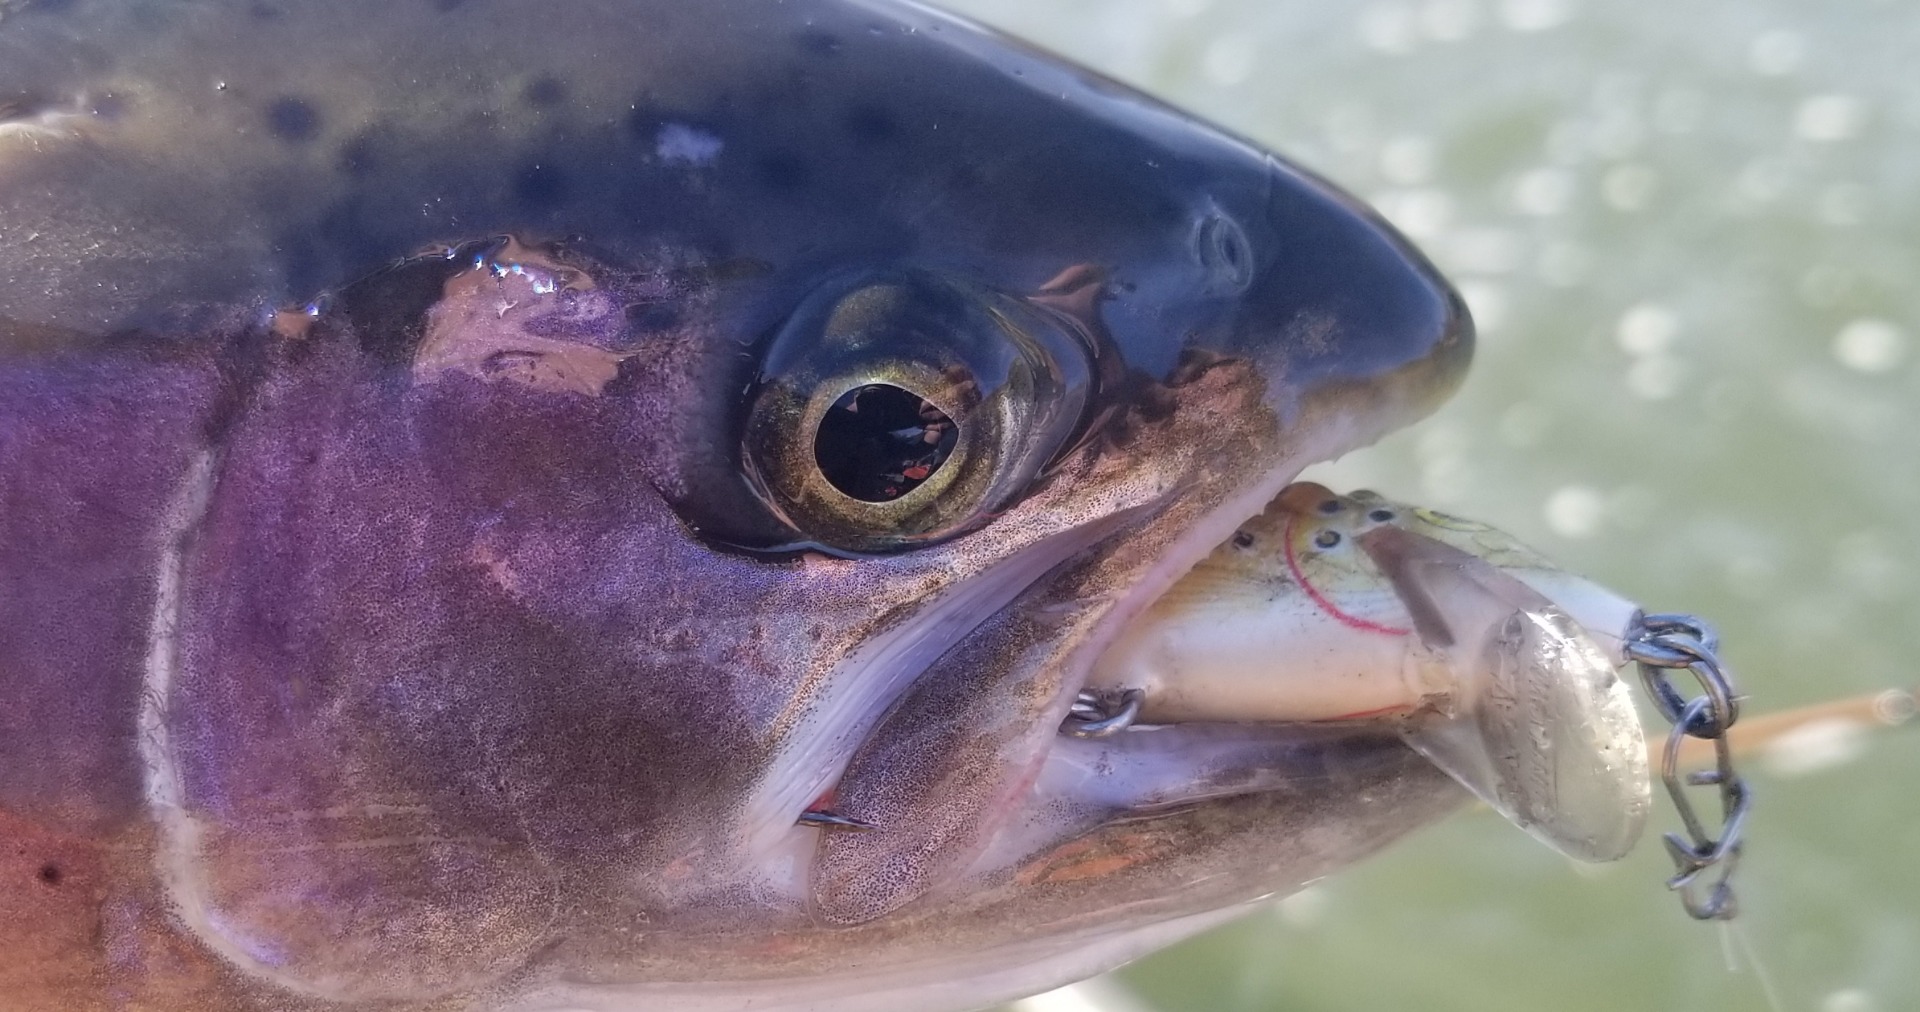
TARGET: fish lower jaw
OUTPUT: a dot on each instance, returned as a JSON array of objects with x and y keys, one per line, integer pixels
[
  {"x": 781, "y": 849},
  {"x": 965, "y": 979}
]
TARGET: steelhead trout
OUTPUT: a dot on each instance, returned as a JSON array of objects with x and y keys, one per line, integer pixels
[{"x": 607, "y": 505}]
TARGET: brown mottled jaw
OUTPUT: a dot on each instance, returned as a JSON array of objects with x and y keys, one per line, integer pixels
[{"x": 1355, "y": 611}]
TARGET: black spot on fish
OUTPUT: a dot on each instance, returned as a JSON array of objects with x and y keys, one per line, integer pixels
[
  {"x": 871, "y": 124},
  {"x": 544, "y": 92},
  {"x": 360, "y": 157},
  {"x": 50, "y": 874},
  {"x": 540, "y": 184},
  {"x": 783, "y": 171},
  {"x": 293, "y": 119},
  {"x": 820, "y": 43},
  {"x": 652, "y": 317}
]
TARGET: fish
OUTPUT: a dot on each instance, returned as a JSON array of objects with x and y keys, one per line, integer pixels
[{"x": 610, "y": 505}]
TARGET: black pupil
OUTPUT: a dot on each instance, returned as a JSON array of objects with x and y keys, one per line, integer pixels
[{"x": 879, "y": 442}]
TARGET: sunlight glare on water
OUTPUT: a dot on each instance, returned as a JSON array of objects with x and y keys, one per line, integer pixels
[{"x": 1691, "y": 235}]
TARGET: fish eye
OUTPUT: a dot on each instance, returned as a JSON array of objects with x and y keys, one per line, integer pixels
[
  {"x": 908, "y": 409},
  {"x": 1327, "y": 539},
  {"x": 879, "y": 442}
]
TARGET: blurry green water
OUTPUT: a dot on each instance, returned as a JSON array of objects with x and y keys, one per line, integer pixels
[{"x": 1691, "y": 235}]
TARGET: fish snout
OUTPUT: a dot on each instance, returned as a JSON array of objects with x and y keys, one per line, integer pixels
[{"x": 1345, "y": 304}]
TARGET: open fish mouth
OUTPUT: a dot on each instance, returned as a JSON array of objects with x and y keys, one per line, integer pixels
[
  {"x": 1355, "y": 611},
  {"x": 1300, "y": 650}
]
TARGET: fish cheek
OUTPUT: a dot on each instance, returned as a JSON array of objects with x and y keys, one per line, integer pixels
[
  {"x": 298, "y": 844},
  {"x": 957, "y": 757},
  {"x": 411, "y": 710},
  {"x": 922, "y": 782}
]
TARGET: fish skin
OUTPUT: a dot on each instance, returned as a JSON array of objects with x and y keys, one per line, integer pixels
[{"x": 342, "y": 675}]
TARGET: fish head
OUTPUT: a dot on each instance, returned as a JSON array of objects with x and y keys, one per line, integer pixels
[
  {"x": 609, "y": 445},
  {"x": 1110, "y": 336}
]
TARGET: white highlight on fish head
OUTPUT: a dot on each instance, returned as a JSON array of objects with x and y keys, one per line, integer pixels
[{"x": 688, "y": 145}]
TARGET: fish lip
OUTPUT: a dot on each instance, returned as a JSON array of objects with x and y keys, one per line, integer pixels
[
  {"x": 768, "y": 818},
  {"x": 878, "y": 669},
  {"x": 1340, "y": 433}
]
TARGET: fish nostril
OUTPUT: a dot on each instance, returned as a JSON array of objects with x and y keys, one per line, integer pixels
[
  {"x": 1330, "y": 507},
  {"x": 1222, "y": 248},
  {"x": 1380, "y": 516}
]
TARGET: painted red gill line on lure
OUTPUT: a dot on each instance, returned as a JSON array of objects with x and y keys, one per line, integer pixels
[{"x": 1325, "y": 604}]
